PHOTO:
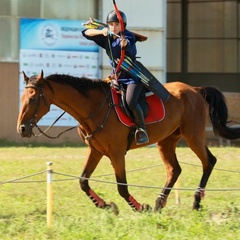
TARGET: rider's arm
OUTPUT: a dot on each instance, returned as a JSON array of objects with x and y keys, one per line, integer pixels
[{"x": 94, "y": 32}]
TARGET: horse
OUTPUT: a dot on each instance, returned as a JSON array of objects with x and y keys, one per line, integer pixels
[{"x": 89, "y": 101}]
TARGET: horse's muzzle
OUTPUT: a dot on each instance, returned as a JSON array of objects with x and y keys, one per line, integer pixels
[{"x": 25, "y": 130}]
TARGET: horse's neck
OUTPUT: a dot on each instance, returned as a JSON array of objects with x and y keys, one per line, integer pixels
[{"x": 74, "y": 103}]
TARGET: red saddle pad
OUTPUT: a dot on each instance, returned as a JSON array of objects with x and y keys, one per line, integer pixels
[{"x": 155, "y": 105}]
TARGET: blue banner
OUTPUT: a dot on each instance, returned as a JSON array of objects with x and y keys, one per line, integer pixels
[
  {"x": 50, "y": 34},
  {"x": 56, "y": 46}
]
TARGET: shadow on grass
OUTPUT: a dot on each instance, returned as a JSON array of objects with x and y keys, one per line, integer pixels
[{"x": 6, "y": 143}]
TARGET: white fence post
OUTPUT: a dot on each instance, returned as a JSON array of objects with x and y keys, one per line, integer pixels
[{"x": 49, "y": 194}]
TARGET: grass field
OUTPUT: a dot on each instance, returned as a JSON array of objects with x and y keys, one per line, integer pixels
[{"x": 23, "y": 203}]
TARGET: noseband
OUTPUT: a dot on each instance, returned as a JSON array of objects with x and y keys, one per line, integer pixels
[{"x": 40, "y": 96}]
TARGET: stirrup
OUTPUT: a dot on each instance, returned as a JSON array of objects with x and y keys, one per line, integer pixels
[{"x": 141, "y": 141}]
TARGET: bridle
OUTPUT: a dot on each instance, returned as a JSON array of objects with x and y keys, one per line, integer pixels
[
  {"x": 33, "y": 119},
  {"x": 40, "y": 96}
]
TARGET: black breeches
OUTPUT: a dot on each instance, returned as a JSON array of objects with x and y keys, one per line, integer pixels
[{"x": 133, "y": 92}]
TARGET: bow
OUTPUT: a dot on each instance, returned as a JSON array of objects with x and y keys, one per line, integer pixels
[{"x": 121, "y": 34}]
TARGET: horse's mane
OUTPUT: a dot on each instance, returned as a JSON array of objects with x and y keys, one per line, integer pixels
[{"x": 82, "y": 84}]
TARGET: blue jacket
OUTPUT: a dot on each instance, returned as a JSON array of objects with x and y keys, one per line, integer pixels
[{"x": 115, "y": 51}]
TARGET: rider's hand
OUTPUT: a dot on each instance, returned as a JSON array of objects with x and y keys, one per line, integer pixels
[
  {"x": 105, "y": 31},
  {"x": 123, "y": 42}
]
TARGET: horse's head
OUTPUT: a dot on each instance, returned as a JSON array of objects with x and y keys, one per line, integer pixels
[{"x": 34, "y": 104}]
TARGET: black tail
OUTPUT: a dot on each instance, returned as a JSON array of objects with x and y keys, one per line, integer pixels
[{"x": 218, "y": 113}]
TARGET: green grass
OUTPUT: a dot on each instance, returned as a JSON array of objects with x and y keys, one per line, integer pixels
[{"x": 23, "y": 204}]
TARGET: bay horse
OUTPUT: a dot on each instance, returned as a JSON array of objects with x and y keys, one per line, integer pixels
[{"x": 89, "y": 101}]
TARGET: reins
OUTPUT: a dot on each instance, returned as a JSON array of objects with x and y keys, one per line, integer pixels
[
  {"x": 101, "y": 126},
  {"x": 44, "y": 132}
]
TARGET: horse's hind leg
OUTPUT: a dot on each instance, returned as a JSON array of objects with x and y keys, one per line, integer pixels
[
  {"x": 198, "y": 146},
  {"x": 167, "y": 151},
  {"x": 91, "y": 163},
  {"x": 207, "y": 170}
]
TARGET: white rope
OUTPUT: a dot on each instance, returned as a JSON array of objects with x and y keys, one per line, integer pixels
[
  {"x": 17, "y": 180},
  {"x": 155, "y": 187}
]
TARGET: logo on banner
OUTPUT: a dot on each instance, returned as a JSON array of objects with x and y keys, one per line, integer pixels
[{"x": 49, "y": 34}]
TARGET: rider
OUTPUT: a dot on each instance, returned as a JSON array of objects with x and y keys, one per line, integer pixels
[{"x": 107, "y": 39}]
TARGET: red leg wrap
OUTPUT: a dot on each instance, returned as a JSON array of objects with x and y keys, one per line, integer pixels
[
  {"x": 134, "y": 204},
  {"x": 99, "y": 202}
]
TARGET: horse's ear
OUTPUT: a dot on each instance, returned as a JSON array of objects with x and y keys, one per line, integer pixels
[
  {"x": 40, "y": 78},
  {"x": 26, "y": 78}
]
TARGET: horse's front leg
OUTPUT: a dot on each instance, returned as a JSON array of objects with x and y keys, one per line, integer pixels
[
  {"x": 167, "y": 152},
  {"x": 118, "y": 163},
  {"x": 90, "y": 165}
]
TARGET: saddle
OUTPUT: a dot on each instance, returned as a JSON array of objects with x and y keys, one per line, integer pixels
[{"x": 152, "y": 106}]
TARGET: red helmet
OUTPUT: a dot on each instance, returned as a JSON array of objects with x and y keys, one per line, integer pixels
[{"x": 112, "y": 17}]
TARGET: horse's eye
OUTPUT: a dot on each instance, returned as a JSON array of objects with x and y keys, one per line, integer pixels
[{"x": 32, "y": 99}]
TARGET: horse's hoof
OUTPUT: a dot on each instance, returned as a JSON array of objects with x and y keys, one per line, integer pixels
[
  {"x": 196, "y": 206},
  {"x": 146, "y": 208},
  {"x": 112, "y": 207},
  {"x": 197, "y": 200},
  {"x": 158, "y": 209}
]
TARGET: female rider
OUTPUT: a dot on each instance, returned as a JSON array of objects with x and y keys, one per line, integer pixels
[{"x": 113, "y": 44}]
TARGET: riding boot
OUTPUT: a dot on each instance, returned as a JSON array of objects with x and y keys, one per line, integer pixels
[{"x": 141, "y": 133}]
